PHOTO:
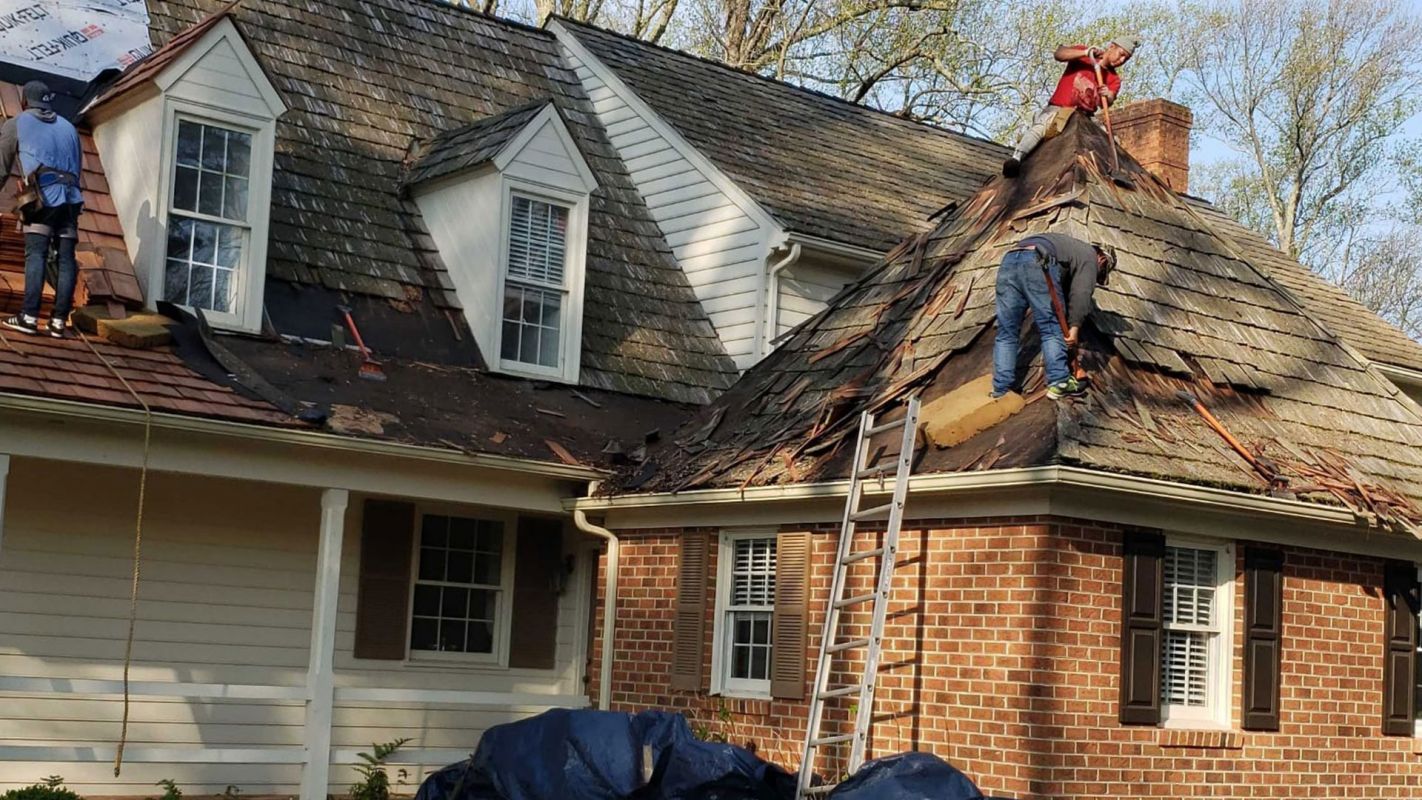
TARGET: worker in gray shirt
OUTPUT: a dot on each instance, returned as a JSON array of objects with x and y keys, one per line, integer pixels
[{"x": 1032, "y": 276}]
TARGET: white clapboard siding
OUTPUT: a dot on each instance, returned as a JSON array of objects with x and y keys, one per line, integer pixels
[
  {"x": 220, "y": 79},
  {"x": 226, "y": 602},
  {"x": 719, "y": 236},
  {"x": 804, "y": 289}
]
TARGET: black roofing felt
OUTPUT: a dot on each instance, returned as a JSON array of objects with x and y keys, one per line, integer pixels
[{"x": 368, "y": 81}]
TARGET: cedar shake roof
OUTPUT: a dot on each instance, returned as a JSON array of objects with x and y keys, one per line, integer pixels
[
  {"x": 820, "y": 165},
  {"x": 1186, "y": 310},
  {"x": 472, "y": 145},
  {"x": 366, "y": 82}
]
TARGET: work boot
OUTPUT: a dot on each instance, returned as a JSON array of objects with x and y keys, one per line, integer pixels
[
  {"x": 1011, "y": 167},
  {"x": 56, "y": 327},
  {"x": 22, "y": 323},
  {"x": 1071, "y": 387}
]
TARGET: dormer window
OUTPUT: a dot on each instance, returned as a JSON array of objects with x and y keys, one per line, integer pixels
[
  {"x": 208, "y": 230},
  {"x": 187, "y": 138},
  {"x": 506, "y": 201}
]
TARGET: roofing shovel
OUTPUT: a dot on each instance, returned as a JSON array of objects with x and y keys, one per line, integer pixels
[
  {"x": 369, "y": 368},
  {"x": 1116, "y": 174}
]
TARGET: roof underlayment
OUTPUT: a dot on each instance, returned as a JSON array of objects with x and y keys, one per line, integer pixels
[{"x": 1186, "y": 311}]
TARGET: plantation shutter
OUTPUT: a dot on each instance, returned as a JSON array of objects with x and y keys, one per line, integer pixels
[
  {"x": 387, "y": 542},
  {"x": 1143, "y": 554},
  {"x": 789, "y": 627},
  {"x": 538, "y": 234},
  {"x": 1400, "y": 595},
  {"x": 1263, "y": 637},
  {"x": 689, "y": 622},
  {"x": 538, "y": 568}
]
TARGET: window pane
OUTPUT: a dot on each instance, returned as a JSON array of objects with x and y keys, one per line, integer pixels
[
  {"x": 528, "y": 343},
  {"x": 214, "y": 148},
  {"x": 424, "y": 634},
  {"x": 454, "y": 603},
  {"x": 185, "y": 181},
  {"x": 175, "y": 282},
  {"x": 431, "y": 564},
  {"x": 481, "y": 637},
  {"x": 200, "y": 287},
  {"x": 538, "y": 233},
  {"x": 229, "y": 247},
  {"x": 1185, "y": 668},
  {"x": 750, "y": 645},
  {"x": 1190, "y": 577},
  {"x": 189, "y": 143},
  {"x": 210, "y": 194},
  {"x": 222, "y": 286},
  {"x": 481, "y": 604},
  {"x": 460, "y": 567},
  {"x": 426, "y": 601},
  {"x": 451, "y": 635},
  {"x": 740, "y": 662},
  {"x": 760, "y": 663},
  {"x": 434, "y": 531},
  {"x": 753, "y": 572},
  {"x": 239, "y": 154},
  {"x": 234, "y": 199},
  {"x": 462, "y": 532}
]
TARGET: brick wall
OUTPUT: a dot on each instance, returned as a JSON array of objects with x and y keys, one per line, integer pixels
[{"x": 1001, "y": 655}]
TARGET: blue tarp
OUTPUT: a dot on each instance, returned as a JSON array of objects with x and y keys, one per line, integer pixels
[{"x": 597, "y": 755}]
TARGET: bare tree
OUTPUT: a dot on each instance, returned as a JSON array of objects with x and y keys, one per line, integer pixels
[{"x": 1309, "y": 92}]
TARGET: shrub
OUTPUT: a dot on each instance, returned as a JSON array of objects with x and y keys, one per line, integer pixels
[
  {"x": 170, "y": 789},
  {"x": 375, "y": 784},
  {"x": 51, "y": 788}
]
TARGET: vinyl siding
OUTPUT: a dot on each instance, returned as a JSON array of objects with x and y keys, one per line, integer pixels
[
  {"x": 721, "y": 246},
  {"x": 228, "y": 577},
  {"x": 220, "y": 79},
  {"x": 804, "y": 289}
]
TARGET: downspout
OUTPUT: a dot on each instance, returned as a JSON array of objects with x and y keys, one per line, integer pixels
[
  {"x": 609, "y": 615},
  {"x": 768, "y": 334}
]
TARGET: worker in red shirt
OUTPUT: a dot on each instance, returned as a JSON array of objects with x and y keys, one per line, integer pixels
[{"x": 1077, "y": 89}]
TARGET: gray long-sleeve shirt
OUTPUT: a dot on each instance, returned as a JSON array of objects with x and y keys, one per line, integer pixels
[{"x": 1078, "y": 261}]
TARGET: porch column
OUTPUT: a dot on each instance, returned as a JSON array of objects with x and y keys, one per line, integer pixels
[
  {"x": 315, "y": 776},
  {"x": 4, "y": 478}
]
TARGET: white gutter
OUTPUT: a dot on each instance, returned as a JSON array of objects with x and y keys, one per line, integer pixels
[
  {"x": 609, "y": 612},
  {"x": 942, "y": 483},
  {"x": 302, "y": 438},
  {"x": 1400, "y": 375},
  {"x": 863, "y": 256},
  {"x": 772, "y": 304}
]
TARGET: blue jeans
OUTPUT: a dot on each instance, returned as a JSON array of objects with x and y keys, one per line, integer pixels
[
  {"x": 60, "y": 220},
  {"x": 1021, "y": 285}
]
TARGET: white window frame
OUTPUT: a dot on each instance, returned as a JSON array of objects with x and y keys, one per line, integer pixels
[
  {"x": 503, "y": 614},
  {"x": 575, "y": 246},
  {"x": 1216, "y": 714},
  {"x": 1417, "y": 692},
  {"x": 721, "y": 681},
  {"x": 251, "y": 273}
]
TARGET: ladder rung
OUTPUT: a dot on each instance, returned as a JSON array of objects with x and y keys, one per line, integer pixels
[
  {"x": 872, "y": 472},
  {"x": 839, "y": 647},
  {"x": 852, "y": 601},
  {"x": 887, "y": 426},
  {"x": 861, "y": 555},
  {"x": 835, "y": 739},
  {"x": 865, "y": 513},
  {"x": 840, "y": 691}
]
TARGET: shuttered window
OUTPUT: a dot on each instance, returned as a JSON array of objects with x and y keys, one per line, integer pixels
[
  {"x": 1194, "y": 657},
  {"x": 462, "y": 579},
  {"x": 535, "y": 286},
  {"x": 748, "y": 614}
]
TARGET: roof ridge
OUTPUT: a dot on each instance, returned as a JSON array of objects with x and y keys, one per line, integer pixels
[{"x": 814, "y": 93}]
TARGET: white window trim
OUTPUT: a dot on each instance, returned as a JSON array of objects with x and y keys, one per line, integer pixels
[
  {"x": 1217, "y": 715},
  {"x": 571, "y": 334},
  {"x": 503, "y": 615},
  {"x": 1417, "y": 698},
  {"x": 721, "y": 682},
  {"x": 251, "y": 276}
]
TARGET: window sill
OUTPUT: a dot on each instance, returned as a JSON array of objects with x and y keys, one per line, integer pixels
[
  {"x": 447, "y": 663},
  {"x": 1198, "y": 736}
]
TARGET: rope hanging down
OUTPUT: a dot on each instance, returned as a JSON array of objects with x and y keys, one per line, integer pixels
[{"x": 137, "y": 546}]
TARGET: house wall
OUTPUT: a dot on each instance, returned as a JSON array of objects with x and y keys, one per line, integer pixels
[
  {"x": 1002, "y": 654},
  {"x": 133, "y": 167},
  {"x": 719, "y": 236},
  {"x": 804, "y": 290},
  {"x": 228, "y": 580}
]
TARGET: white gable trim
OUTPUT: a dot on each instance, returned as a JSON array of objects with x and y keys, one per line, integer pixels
[
  {"x": 223, "y": 31},
  {"x": 549, "y": 116},
  {"x": 685, "y": 149}
]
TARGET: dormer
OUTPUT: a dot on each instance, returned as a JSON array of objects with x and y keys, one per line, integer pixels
[
  {"x": 187, "y": 137},
  {"x": 506, "y": 201}
]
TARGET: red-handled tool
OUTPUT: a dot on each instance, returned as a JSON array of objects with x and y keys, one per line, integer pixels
[{"x": 370, "y": 369}]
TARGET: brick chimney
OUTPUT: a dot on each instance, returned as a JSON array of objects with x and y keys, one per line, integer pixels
[{"x": 1157, "y": 134}]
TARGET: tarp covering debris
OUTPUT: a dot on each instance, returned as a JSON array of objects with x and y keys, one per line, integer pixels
[{"x": 605, "y": 755}]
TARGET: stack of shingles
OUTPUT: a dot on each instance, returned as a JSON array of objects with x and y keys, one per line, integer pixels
[{"x": 106, "y": 274}]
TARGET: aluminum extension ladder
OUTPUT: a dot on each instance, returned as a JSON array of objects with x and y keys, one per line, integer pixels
[{"x": 831, "y": 645}]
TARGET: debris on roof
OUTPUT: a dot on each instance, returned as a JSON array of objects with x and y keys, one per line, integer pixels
[{"x": 1185, "y": 312}]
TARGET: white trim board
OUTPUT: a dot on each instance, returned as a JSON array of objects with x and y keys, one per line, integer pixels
[{"x": 83, "y": 687}]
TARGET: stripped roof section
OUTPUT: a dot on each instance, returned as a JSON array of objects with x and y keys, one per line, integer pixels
[
  {"x": 820, "y": 165},
  {"x": 364, "y": 81},
  {"x": 1185, "y": 312},
  {"x": 472, "y": 145}
]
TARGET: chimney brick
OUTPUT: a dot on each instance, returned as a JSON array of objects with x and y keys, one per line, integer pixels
[{"x": 1157, "y": 134}]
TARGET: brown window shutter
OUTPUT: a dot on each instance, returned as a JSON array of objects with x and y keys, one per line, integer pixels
[
  {"x": 689, "y": 624},
  {"x": 1401, "y": 596},
  {"x": 1143, "y": 557},
  {"x": 1263, "y": 637},
  {"x": 538, "y": 570},
  {"x": 387, "y": 542},
  {"x": 789, "y": 626}
]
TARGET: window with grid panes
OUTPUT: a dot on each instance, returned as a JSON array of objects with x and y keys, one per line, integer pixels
[
  {"x": 1193, "y": 626},
  {"x": 534, "y": 284},
  {"x": 749, "y": 608},
  {"x": 207, "y": 216},
  {"x": 459, "y": 584}
]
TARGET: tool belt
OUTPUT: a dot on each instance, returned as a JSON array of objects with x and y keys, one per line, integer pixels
[{"x": 31, "y": 196}]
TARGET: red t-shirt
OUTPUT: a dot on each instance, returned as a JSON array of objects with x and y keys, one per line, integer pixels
[{"x": 1078, "y": 85}]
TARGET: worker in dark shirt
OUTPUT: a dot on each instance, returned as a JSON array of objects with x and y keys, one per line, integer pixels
[
  {"x": 1077, "y": 89},
  {"x": 1030, "y": 273},
  {"x": 47, "y": 147}
]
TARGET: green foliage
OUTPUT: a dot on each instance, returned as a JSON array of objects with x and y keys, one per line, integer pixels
[
  {"x": 170, "y": 789},
  {"x": 231, "y": 792},
  {"x": 51, "y": 788},
  {"x": 375, "y": 783}
]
